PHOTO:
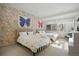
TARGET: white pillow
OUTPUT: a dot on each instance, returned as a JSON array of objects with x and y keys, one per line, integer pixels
[
  {"x": 23, "y": 33},
  {"x": 43, "y": 33},
  {"x": 29, "y": 33}
]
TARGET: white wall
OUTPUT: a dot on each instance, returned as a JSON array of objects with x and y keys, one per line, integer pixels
[{"x": 65, "y": 18}]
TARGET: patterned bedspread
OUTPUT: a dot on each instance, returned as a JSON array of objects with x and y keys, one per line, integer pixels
[{"x": 33, "y": 42}]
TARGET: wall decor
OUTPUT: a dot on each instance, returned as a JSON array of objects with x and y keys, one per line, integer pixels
[
  {"x": 48, "y": 27},
  {"x": 51, "y": 27},
  {"x": 54, "y": 27},
  {"x": 60, "y": 27},
  {"x": 24, "y": 22},
  {"x": 40, "y": 24}
]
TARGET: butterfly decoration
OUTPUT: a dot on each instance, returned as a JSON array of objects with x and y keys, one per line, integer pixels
[
  {"x": 24, "y": 21},
  {"x": 40, "y": 24}
]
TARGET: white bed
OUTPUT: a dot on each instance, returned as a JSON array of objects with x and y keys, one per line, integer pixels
[{"x": 33, "y": 41}]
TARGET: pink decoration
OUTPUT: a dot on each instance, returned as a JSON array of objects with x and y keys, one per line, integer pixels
[{"x": 40, "y": 24}]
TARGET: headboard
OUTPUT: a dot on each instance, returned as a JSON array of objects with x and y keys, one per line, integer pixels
[{"x": 24, "y": 30}]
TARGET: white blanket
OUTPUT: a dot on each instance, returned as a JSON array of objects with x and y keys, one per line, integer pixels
[{"x": 34, "y": 42}]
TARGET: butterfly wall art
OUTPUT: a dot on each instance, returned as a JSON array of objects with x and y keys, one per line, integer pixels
[{"x": 24, "y": 21}]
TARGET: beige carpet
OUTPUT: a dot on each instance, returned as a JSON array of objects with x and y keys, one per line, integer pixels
[
  {"x": 14, "y": 50},
  {"x": 50, "y": 51},
  {"x": 17, "y": 50}
]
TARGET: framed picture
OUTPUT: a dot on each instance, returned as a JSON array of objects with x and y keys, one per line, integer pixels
[
  {"x": 60, "y": 27},
  {"x": 23, "y": 22},
  {"x": 54, "y": 27},
  {"x": 48, "y": 27}
]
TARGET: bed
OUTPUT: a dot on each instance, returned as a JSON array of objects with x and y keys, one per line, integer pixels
[{"x": 34, "y": 42}]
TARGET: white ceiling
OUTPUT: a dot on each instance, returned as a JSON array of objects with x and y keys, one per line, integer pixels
[{"x": 45, "y": 9}]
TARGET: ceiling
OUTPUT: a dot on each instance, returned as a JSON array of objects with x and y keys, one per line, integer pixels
[{"x": 44, "y": 9}]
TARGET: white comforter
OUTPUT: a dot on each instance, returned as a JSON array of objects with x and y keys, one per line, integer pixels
[{"x": 34, "y": 42}]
